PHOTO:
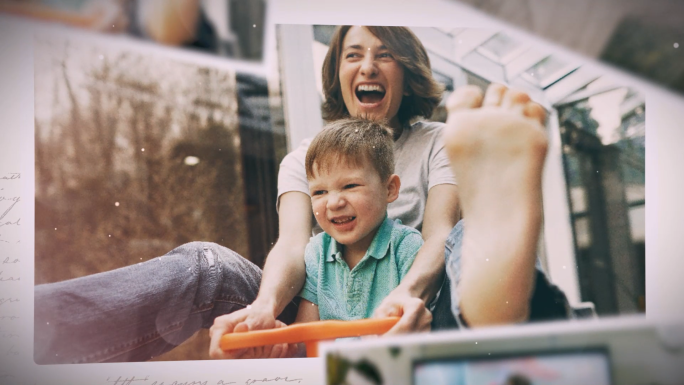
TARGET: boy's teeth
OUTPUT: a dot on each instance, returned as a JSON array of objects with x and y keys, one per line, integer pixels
[{"x": 342, "y": 220}]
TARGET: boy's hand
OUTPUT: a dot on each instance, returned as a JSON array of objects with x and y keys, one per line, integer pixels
[
  {"x": 415, "y": 317},
  {"x": 250, "y": 318}
]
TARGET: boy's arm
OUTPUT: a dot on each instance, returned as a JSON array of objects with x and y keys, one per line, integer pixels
[
  {"x": 425, "y": 276},
  {"x": 282, "y": 278}
]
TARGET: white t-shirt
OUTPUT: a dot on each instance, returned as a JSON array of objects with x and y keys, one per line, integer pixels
[{"x": 420, "y": 161}]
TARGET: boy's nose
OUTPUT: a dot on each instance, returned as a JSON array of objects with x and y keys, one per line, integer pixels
[{"x": 335, "y": 201}]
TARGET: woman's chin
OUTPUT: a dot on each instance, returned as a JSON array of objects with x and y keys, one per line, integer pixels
[{"x": 372, "y": 111}]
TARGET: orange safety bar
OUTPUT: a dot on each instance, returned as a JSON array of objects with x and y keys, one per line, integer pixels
[{"x": 309, "y": 333}]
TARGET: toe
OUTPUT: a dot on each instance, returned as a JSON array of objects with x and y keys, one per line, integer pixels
[
  {"x": 465, "y": 97},
  {"x": 515, "y": 99},
  {"x": 494, "y": 95},
  {"x": 535, "y": 111}
]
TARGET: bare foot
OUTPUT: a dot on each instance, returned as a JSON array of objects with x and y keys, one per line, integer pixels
[{"x": 497, "y": 146}]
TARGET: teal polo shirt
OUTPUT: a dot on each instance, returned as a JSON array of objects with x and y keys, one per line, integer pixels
[{"x": 345, "y": 294}]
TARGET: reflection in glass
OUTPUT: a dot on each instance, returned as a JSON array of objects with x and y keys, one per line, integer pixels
[
  {"x": 547, "y": 71},
  {"x": 604, "y": 157}
]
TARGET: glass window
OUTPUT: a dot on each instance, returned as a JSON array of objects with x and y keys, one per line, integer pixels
[
  {"x": 501, "y": 48},
  {"x": 548, "y": 71}
]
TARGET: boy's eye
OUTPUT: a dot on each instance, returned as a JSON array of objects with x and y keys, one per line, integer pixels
[
  {"x": 351, "y": 185},
  {"x": 318, "y": 192}
]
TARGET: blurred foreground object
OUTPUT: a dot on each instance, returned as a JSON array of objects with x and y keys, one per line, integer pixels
[
  {"x": 229, "y": 28},
  {"x": 645, "y": 37},
  {"x": 630, "y": 350}
]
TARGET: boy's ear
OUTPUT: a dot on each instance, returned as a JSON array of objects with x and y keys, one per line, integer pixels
[{"x": 393, "y": 185}]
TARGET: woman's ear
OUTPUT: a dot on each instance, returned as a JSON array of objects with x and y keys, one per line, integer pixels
[{"x": 393, "y": 185}]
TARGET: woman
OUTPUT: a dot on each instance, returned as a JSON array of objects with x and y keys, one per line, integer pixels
[{"x": 376, "y": 72}]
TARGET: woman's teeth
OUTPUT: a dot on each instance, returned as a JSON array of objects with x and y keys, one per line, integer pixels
[{"x": 370, "y": 88}]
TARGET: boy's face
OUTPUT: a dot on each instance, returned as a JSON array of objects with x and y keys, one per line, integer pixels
[{"x": 350, "y": 202}]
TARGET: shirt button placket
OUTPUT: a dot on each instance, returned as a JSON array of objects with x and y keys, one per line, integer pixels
[{"x": 351, "y": 295}]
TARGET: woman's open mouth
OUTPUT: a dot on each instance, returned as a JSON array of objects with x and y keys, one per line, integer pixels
[{"x": 370, "y": 93}]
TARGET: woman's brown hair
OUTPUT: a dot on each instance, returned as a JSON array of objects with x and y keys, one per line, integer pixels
[{"x": 424, "y": 91}]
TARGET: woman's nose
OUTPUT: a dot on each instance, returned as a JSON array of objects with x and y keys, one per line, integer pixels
[{"x": 368, "y": 67}]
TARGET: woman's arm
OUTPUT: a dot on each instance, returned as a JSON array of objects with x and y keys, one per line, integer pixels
[
  {"x": 283, "y": 276},
  {"x": 284, "y": 270},
  {"x": 307, "y": 312},
  {"x": 425, "y": 277}
]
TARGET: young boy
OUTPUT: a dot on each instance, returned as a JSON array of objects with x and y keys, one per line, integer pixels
[{"x": 361, "y": 255}]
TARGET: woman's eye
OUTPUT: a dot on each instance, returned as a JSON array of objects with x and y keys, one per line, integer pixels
[
  {"x": 385, "y": 55},
  {"x": 352, "y": 55}
]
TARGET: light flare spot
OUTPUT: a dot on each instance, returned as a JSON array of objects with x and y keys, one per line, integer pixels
[
  {"x": 116, "y": 204},
  {"x": 191, "y": 160}
]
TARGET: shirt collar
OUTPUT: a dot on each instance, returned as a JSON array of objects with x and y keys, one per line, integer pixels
[{"x": 377, "y": 249}]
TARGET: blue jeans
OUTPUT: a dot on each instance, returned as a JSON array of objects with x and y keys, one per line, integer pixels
[{"x": 141, "y": 311}]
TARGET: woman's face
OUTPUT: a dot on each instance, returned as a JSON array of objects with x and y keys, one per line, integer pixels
[{"x": 372, "y": 81}]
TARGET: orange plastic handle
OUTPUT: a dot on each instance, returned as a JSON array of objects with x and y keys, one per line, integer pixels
[{"x": 310, "y": 333}]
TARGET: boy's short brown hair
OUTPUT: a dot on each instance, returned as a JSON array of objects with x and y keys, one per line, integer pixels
[
  {"x": 425, "y": 93},
  {"x": 352, "y": 141}
]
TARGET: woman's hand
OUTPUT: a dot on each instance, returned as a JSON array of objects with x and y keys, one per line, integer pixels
[
  {"x": 250, "y": 318},
  {"x": 415, "y": 317}
]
